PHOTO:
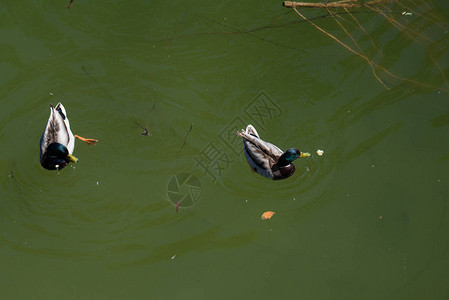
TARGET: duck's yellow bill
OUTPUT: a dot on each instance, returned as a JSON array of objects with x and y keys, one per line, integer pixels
[
  {"x": 72, "y": 158},
  {"x": 304, "y": 154}
]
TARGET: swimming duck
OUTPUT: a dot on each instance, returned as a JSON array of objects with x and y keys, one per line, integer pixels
[
  {"x": 267, "y": 159},
  {"x": 57, "y": 142}
]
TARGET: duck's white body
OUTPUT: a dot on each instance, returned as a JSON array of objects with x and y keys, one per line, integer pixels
[{"x": 57, "y": 130}]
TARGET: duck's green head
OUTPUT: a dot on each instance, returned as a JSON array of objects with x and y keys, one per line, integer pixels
[
  {"x": 57, "y": 157},
  {"x": 290, "y": 155}
]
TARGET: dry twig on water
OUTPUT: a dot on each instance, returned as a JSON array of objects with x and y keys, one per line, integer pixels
[{"x": 336, "y": 4}]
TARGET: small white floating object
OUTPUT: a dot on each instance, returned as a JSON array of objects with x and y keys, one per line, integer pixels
[
  {"x": 173, "y": 257},
  {"x": 319, "y": 152}
]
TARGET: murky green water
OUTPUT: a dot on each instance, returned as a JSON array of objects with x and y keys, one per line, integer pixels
[{"x": 367, "y": 220}]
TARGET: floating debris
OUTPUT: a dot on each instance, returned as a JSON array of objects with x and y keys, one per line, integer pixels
[
  {"x": 185, "y": 138},
  {"x": 267, "y": 215},
  {"x": 145, "y": 130}
]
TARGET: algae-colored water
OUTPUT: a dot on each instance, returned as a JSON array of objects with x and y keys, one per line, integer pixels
[{"x": 367, "y": 220}]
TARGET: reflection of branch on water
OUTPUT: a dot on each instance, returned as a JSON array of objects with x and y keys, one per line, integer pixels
[
  {"x": 236, "y": 31},
  {"x": 361, "y": 27},
  {"x": 412, "y": 34},
  {"x": 370, "y": 62}
]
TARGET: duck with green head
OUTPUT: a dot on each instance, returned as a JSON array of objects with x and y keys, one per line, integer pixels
[
  {"x": 267, "y": 159},
  {"x": 57, "y": 142}
]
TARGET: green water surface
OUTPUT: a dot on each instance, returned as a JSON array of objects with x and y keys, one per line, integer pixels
[{"x": 367, "y": 220}]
